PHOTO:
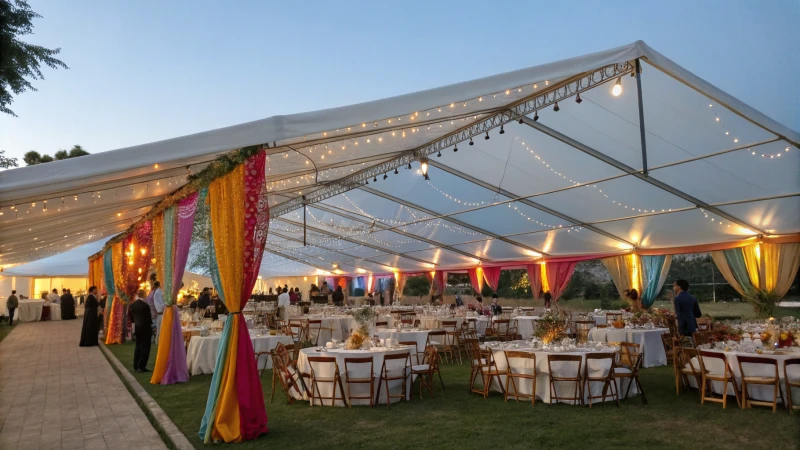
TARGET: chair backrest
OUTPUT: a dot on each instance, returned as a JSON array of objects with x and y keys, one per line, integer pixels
[
  {"x": 702, "y": 337},
  {"x": 747, "y": 362},
  {"x": 431, "y": 357},
  {"x": 565, "y": 362},
  {"x": 502, "y": 326},
  {"x": 528, "y": 359},
  {"x": 449, "y": 325},
  {"x": 472, "y": 323},
  {"x": 706, "y": 355},
  {"x": 318, "y": 362},
  {"x": 473, "y": 347},
  {"x": 793, "y": 380},
  {"x": 630, "y": 354},
  {"x": 412, "y": 344},
  {"x": 437, "y": 333},
  {"x": 704, "y": 324},
  {"x": 381, "y": 324},
  {"x": 601, "y": 326},
  {"x": 357, "y": 361},
  {"x": 600, "y": 364},
  {"x": 611, "y": 317},
  {"x": 392, "y": 361}
]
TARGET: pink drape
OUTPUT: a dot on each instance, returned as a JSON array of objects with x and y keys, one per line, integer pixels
[
  {"x": 252, "y": 413},
  {"x": 475, "y": 280},
  {"x": 492, "y": 275},
  {"x": 558, "y": 275},
  {"x": 535, "y": 278},
  {"x": 438, "y": 281}
]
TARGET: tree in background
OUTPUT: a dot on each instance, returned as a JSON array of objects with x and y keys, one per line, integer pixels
[
  {"x": 417, "y": 287},
  {"x": 20, "y": 61},
  {"x": 200, "y": 255},
  {"x": 33, "y": 157},
  {"x": 7, "y": 162}
]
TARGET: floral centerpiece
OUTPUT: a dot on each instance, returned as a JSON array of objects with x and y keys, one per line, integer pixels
[
  {"x": 360, "y": 336},
  {"x": 551, "y": 327},
  {"x": 662, "y": 317},
  {"x": 641, "y": 318},
  {"x": 725, "y": 333},
  {"x": 786, "y": 338}
]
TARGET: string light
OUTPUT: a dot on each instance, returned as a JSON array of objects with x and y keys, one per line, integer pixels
[{"x": 617, "y": 89}]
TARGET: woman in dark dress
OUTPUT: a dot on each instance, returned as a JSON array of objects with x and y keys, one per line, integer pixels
[
  {"x": 91, "y": 322},
  {"x": 67, "y": 306}
]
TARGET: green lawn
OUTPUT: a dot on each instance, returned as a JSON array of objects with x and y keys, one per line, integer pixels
[{"x": 458, "y": 420}]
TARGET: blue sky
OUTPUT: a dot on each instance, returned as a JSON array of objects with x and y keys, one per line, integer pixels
[{"x": 149, "y": 70}]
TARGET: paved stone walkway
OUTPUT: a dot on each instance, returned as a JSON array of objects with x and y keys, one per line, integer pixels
[{"x": 57, "y": 395}]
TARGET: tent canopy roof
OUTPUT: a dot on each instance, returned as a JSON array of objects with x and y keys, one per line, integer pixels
[{"x": 546, "y": 184}]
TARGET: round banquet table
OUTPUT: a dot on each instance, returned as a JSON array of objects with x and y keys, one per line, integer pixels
[
  {"x": 356, "y": 371},
  {"x": 55, "y": 311},
  {"x": 754, "y": 391},
  {"x": 524, "y": 386},
  {"x": 418, "y": 336},
  {"x": 648, "y": 339},
  {"x": 435, "y": 323},
  {"x": 29, "y": 311},
  {"x": 201, "y": 356},
  {"x": 333, "y": 327},
  {"x": 526, "y": 325}
]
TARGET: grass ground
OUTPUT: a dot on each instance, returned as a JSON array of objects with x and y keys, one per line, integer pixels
[{"x": 458, "y": 420}]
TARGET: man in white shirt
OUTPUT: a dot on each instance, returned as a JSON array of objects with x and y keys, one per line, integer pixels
[
  {"x": 283, "y": 304},
  {"x": 158, "y": 301},
  {"x": 54, "y": 297}
]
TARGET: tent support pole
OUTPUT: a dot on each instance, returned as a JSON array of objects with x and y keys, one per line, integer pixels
[
  {"x": 304, "y": 221},
  {"x": 631, "y": 171},
  {"x": 642, "y": 131}
]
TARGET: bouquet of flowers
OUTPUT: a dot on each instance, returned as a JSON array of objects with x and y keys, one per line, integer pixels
[
  {"x": 363, "y": 317},
  {"x": 641, "y": 317},
  {"x": 551, "y": 327},
  {"x": 724, "y": 333},
  {"x": 786, "y": 338},
  {"x": 662, "y": 316},
  {"x": 356, "y": 340}
]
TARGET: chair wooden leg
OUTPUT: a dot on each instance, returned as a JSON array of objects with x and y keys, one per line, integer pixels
[{"x": 641, "y": 389}]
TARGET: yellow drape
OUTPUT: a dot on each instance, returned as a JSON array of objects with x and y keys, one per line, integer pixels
[
  {"x": 158, "y": 246},
  {"x": 782, "y": 263},
  {"x": 165, "y": 338},
  {"x": 722, "y": 264},
  {"x": 226, "y": 200},
  {"x": 545, "y": 282},
  {"x": 619, "y": 267},
  {"x": 752, "y": 260}
]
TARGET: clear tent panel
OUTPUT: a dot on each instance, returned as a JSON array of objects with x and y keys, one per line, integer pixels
[
  {"x": 498, "y": 250},
  {"x": 730, "y": 177},
  {"x": 511, "y": 218},
  {"x": 779, "y": 216},
  {"x": 613, "y": 199},
  {"x": 572, "y": 241},
  {"x": 670, "y": 230}
]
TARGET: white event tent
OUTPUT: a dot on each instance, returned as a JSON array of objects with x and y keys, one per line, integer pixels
[{"x": 544, "y": 162}]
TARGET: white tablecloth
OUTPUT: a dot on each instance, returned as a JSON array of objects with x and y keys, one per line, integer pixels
[
  {"x": 420, "y": 337},
  {"x": 435, "y": 323},
  {"x": 341, "y": 326},
  {"x": 564, "y": 388},
  {"x": 202, "y": 353},
  {"x": 29, "y": 311},
  {"x": 357, "y": 371},
  {"x": 526, "y": 325},
  {"x": 754, "y": 391},
  {"x": 649, "y": 340},
  {"x": 55, "y": 311}
]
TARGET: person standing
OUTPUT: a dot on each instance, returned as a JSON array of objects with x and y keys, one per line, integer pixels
[
  {"x": 204, "y": 301},
  {"x": 283, "y": 305},
  {"x": 54, "y": 297},
  {"x": 139, "y": 314},
  {"x": 338, "y": 296},
  {"x": 67, "y": 306},
  {"x": 687, "y": 309},
  {"x": 158, "y": 301},
  {"x": 496, "y": 308},
  {"x": 91, "y": 321},
  {"x": 11, "y": 306}
]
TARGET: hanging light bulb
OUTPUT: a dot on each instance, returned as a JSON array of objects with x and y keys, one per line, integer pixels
[
  {"x": 536, "y": 116},
  {"x": 423, "y": 165},
  {"x": 617, "y": 89},
  {"x": 578, "y": 99},
  {"x": 385, "y": 176},
  {"x": 502, "y": 131},
  {"x": 455, "y": 148},
  {"x": 409, "y": 166},
  {"x": 439, "y": 155},
  {"x": 374, "y": 179},
  {"x": 487, "y": 136},
  {"x": 556, "y": 108},
  {"x": 470, "y": 141},
  {"x": 395, "y": 171}
]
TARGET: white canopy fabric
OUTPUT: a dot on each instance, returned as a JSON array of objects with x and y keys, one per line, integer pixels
[{"x": 563, "y": 183}]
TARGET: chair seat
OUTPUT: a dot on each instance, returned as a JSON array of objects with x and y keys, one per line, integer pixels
[
  {"x": 421, "y": 368},
  {"x": 715, "y": 375},
  {"x": 760, "y": 379},
  {"x": 622, "y": 371},
  {"x": 395, "y": 373},
  {"x": 521, "y": 371}
]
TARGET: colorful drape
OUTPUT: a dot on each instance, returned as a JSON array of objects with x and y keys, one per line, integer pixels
[
  {"x": 476, "y": 279},
  {"x": 492, "y": 276},
  {"x": 535, "y": 278},
  {"x": 619, "y": 267},
  {"x": 96, "y": 273},
  {"x": 172, "y": 234},
  {"x": 653, "y": 272},
  {"x": 558, "y": 275},
  {"x": 239, "y": 216},
  {"x": 759, "y": 269},
  {"x": 117, "y": 311},
  {"x": 437, "y": 281},
  {"x": 400, "y": 283},
  {"x": 108, "y": 282}
]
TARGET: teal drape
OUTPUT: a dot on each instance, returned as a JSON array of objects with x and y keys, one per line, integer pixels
[
  {"x": 735, "y": 259},
  {"x": 108, "y": 280},
  {"x": 654, "y": 272}
]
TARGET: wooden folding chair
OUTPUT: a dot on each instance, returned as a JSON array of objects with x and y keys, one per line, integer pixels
[
  {"x": 452, "y": 341},
  {"x": 394, "y": 374},
  {"x": 438, "y": 339},
  {"x": 384, "y": 324},
  {"x": 704, "y": 324},
  {"x": 749, "y": 378},
  {"x": 793, "y": 382},
  {"x": 284, "y": 370},
  {"x": 629, "y": 362},
  {"x": 484, "y": 365},
  {"x": 502, "y": 329},
  {"x": 350, "y": 380},
  {"x": 684, "y": 367},
  {"x": 514, "y": 373},
  {"x": 702, "y": 337},
  {"x": 314, "y": 328},
  {"x": 726, "y": 376},
  {"x": 668, "y": 342},
  {"x": 425, "y": 371},
  {"x": 612, "y": 317},
  {"x": 415, "y": 353},
  {"x": 316, "y": 363},
  {"x": 595, "y": 371},
  {"x": 573, "y": 377}
]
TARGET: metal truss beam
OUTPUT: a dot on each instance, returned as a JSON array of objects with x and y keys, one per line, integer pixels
[
  {"x": 631, "y": 171},
  {"x": 492, "y": 119},
  {"x": 452, "y": 220},
  {"x": 357, "y": 218},
  {"x": 292, "y": 258},
  {"x": 374, "y": 247},
  {"x": 527, "y": 202},
  {"x": 353, "y": 257}
]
